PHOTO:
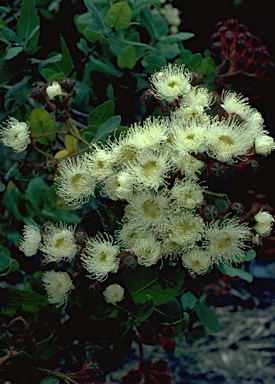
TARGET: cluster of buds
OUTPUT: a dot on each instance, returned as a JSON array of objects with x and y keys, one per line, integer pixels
[
  {"x": 236, "y": 50},
  {"x": 155, "y": 333},
  {"x": 56, "y": 95},
  {"x": 151, "y": 373}
]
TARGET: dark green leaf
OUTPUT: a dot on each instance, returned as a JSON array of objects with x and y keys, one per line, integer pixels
[
  {"x": 41, "y": 122},
  {"x": 98, "y": 18},
  {"x": 107, "y": 128},
  {"x": 188, "y": 301},
  {"x": 61, "y": 215},
  {"x": 12, "y": 52},
  {"x": 153, "y": 63},
  {"x": 127, "y": 57},
  {"x": 7, "y": 265},
  {"x": 50, "y": 380},
  {"x": 235, "y": 272},
  {"x": 16, "y": 298},
  {"x": 194, "y": 62},
  {"x": 8, "y": 34},
  {"x": 17, "y": 95},
  {"x": 207, "y": 316},
  {"x": 250, "y": 255},
  {"x": 176, "y": 38},
  {"x": 144, "y": 281},
  {"x": 119, "y": 16},
  {"x": 144, "y": 310},
  {"x": 101, "y": 114},
  {"x": 155, "y": 24},
  {"x": 28, "y": 20},
  {"x": 138, "y": 5}
]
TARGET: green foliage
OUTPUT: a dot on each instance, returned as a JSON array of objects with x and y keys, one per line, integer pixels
[
  {"x": 42, "y": 123},
  {"x": 207, "y": 316}
]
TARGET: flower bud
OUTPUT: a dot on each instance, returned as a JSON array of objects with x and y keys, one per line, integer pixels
[
  {"x": 264, "y": 222},
  {"x": 113, "y": 293},
  {"x": 264, "y": 145}
]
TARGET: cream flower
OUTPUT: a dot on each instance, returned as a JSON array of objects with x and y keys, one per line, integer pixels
[
  {"x": 147, "y": 249},
  {"x": 196, "y": 261},
  {"x": 189, "y": 136},
  {"x": 100, "y": 161},
  {"x": 114, "y": 293},
  {"x": 15, "y": 134},
  {"x": 150, "y": 169},
  {"x": 226, "y": 242},
  {"x": 147, "y": 210},
  {"x": 58, "y": 243},
  {"x": 74, "y": 181},
  {"x": 58, "y": 286},
  {"x": 30, "y": 240},
  {"x": 101, "y": 256},
  {"x": 264, "y": 145},
  {"x": 172, "y": 82},
  {"x": 237, "y": 105},
  {"x": 54, "y": 90},
  {"x": 119, "y": 186},
  {"x": 264, "y": 223},
  {"x": 187, "y": 194},
  {"x": 228, "y": 140},
  {"x": 189, "y": 165},
  {"x": 186, "y": 228}
]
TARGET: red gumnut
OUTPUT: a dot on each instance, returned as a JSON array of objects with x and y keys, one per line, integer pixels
[
  {"x": 133, "y": 377},
  {"x": 169, "y": 331},
  {"x": 160, "y": 365},
  {"x": 169, "y": 346}
]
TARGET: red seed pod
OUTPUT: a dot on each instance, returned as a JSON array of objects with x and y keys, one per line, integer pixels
[{"x": 67, "y": 83}]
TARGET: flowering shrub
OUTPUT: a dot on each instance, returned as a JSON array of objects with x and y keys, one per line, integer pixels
[{"x": 121, "y": 226}]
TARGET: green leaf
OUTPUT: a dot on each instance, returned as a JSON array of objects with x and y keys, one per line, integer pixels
[
  {"x": 143, "y": 281},
  {"x": 98, "y": 18},
  {"x": 28, "y": 20},
  {"x": 185, "y": 56},
  {"x": 207, "y": 69},
  {"x": 138, "y": 5},
  {"x": 8, "y": 34},
  {"x": 145, "y": 310},
  {"x": 250, "y": 255},
  {"x": 153, "y": 63},
  {"x": 61, "y": 215},
  {"x": 235, "y": 272},
  {"x": 188, "y": 301},
  {"x": 107, "y": 128},
  {"x": 41, "y": 122},
  {"x": 194, "y": 62},
  {"x": 50, "y": 380},
  {"x": 16, "y": 298},
  {"x": 17, "y": 95},
  {"x": 101, "y": 114},
  {"x": 119, "y": 16},
  {"x": 35, "y": 193},
  {"x": 92, "y": 35},
  {"x": 154, "y": 23},
  {"x": 207, "y": 316},
  {"x": 2, "y": 186},
  {"x": 12, "y": 52},
  {"x": 42, "y": 63},
  {"x": 168, "y": 51},
  {"x": 7, "y": 265},
  {"x": 176, "y": 38},
  {"x": 127, "y": 57},
  {"x": 66, "y": 64},
  {"x": 221, "y": 204}
]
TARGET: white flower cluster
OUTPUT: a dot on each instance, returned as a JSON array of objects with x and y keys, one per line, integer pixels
[
  {"x": 172, "y": 16},
  {"x": 155, "y": 166},
  {"x": 15, "y": 134},
  {"x": 57, "y": 243}
]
